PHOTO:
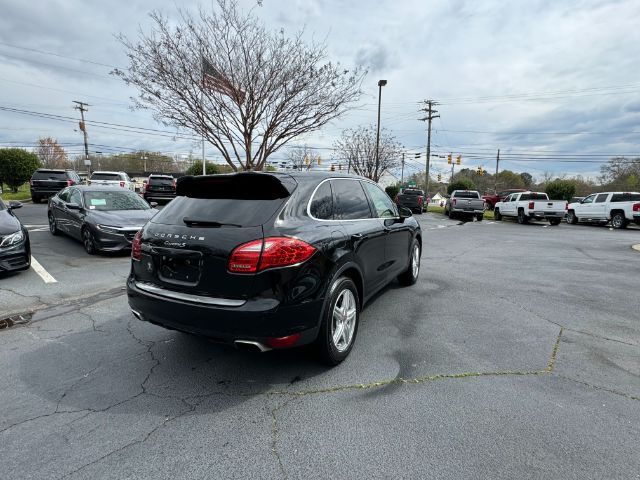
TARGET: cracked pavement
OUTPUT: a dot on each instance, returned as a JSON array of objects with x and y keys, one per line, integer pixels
[{"x": 518, "y": 358}]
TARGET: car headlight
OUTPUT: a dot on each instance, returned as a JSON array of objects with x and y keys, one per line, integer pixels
[
  {"x": 12, "y": 239},
  {"x": 109, "y": 229}
]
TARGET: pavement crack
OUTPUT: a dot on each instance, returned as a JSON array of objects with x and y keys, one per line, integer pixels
[
  {"x": 600, "y": 387},
  {"x": 275, "y": 433},
  {"x": 38, "y": 417}
]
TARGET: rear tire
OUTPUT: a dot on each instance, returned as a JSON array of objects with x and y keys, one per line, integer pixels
[
  {"x": 571, "y": 217},
  {"x": 618, "y": 221},
  {"x": 480, "y": 217},
  {"x": 35, "y": 199},
  {"x": 497, "y": 215},
  {"x": 554, "y": 221},
  {"x": 410, "y": 275},
  {"x": 522, "y": 218},
  {"x": 339, "y": 325}
]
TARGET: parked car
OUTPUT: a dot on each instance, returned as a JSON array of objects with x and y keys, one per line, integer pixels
[
  {"x": 115, "y": 179},
  {"x": 46, "y": 182},
  {"x": 15, "y": 248},
  {"x": 101, "y": 217},
  {"x": 526, "y": 206},
  {"x": 272, "y": 260},
  {"x": 412, "y": 198},
  {"x": 465, "y": 204},
  {"x": 160, "y": 187},
  {"x": 619, "y": 208},
  {"x": 491, "y": 199}
]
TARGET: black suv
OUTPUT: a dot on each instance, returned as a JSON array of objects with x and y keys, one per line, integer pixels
[
  {"x": 46, "y": 182},
  {"x": 160, "y": 187},
  {"x": 267, "y": 260}
]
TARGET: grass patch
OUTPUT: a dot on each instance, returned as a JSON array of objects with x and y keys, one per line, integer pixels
[{"x": 24, "y": 193}]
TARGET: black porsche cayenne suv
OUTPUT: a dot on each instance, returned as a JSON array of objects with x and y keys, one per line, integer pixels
[{"x": 268, "y": 260}]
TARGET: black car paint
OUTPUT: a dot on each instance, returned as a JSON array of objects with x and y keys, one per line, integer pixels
[
  {"x": 16, "y": 257},
  {"x": 47, "y": 187},
  {"x": 280, "y": 301},
  {"x": 72, "y": 217}
]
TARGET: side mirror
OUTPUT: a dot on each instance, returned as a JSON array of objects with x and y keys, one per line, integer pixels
[
  {"x": 153, "y": 204},
  {"x": 72, "y": 206},
  {"x": 13, "y": 204},
  {"x": 404, "y": 212}
]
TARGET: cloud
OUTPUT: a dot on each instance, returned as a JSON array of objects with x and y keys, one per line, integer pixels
[{"x": 376, "y": 58}]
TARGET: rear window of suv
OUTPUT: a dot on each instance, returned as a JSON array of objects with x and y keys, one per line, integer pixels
[
  {"x": 49, "y": 175},
  {"x": 166, "y": 181},
  {"x": 106, "y": 176},
  {"x": 237, "y": 200}
]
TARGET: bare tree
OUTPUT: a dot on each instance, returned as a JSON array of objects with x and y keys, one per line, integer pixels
[
  {"x": 248, "y": 91},
  {"x": 51, "y": 154},
  {"x": 303, "y": 157},
  {"x": 357, "y": 148}
]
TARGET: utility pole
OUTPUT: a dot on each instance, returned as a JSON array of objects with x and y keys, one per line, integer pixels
[
  {"x": 497, "y": 164},
  {"x": 83, "y": 127},
  {"x": 430, "y": 116},
  {"x": 402, "y": 174}
]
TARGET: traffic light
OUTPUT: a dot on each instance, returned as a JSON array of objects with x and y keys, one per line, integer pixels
[
  {"x": 449, "y": 159},
  {"x": 458, "y": 159},
  {"x": 439, "y": 177},
  {"x": 339, "y": 166},
  {"x": 417, "y": 155},
  {"x": 479, "y": 170},
  {"x": 319, "y": 162},
  {"x": 333, "y": 167},
  {"x": 306, "y": 160}
]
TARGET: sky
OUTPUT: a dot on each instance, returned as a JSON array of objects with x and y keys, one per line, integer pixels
[{"x": 555, "y": 85}]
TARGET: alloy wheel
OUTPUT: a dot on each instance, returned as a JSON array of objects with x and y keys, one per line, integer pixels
[
  {"x": 343, "y": 321},
  {"x": 415, "y": 261}
]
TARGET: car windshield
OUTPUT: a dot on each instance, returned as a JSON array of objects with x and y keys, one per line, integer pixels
[{"x": 114, "y": 200}]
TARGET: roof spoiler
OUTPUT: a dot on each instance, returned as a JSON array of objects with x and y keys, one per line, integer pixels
[{"x": 240, "y": 186}]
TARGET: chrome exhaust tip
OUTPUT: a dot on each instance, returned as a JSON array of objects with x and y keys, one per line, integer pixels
[{"x": 250, "y": 345}]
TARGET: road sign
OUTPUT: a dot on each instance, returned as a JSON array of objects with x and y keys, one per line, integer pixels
[{"x": 87, "y": 163}]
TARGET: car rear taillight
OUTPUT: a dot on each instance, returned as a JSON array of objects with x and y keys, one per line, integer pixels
[
  {"x": 69, "y": 183},
  {"x": 273, "y": 252},
  {"x": 174, "y": 183},
  {"x": 532, "y": 205},
  {"x": 136, "y": 246},
  {"x": 566, "y": 206},
  {"x": 121, "y": 183},
  {"x": 454, "y": 201},
  {"x": 636, "y": 207},
  {"x": 30, "y": 182}
]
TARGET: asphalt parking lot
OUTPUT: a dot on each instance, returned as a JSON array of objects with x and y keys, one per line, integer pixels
[{"x": 516, "y": 355}]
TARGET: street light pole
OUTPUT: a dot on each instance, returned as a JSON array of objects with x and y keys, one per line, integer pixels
[{"x": 381, "y": 83}]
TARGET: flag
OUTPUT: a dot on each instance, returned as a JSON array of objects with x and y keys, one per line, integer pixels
[{"x": 212, "y": 79}]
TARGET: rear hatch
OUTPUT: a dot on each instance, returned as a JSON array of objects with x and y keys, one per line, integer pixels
[
  {"x": 105, "y": 179},
  {"x": 161, "y": 185},
  {"x": 49, "y": 180},
  {"x": 186, "y": 247},
  {"x": 468, "y": 201}
]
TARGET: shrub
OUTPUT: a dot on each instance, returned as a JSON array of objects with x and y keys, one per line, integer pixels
[
  {"x": 392, "y": 190},
  {"x": 17, "y": 166},
  {"x": 560, "y": 189},
  {"x": 461, "y": 184},
  {"x": 196, "y": 168}
]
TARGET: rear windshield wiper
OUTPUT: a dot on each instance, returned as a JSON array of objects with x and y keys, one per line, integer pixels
[{"x": 194, "y": 222}]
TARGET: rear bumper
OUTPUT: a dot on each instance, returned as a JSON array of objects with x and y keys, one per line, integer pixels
[
  {"x": 465, "y": 211},
  {"x": 255, "y": 319},
  {"x": 159, "y": 195},
  {"x": 548, "y": 215},
  {"x": 44, "y": 192}
]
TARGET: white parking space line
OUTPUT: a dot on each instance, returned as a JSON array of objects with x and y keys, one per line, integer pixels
[
  {"x": 39, "y": 269},
  {"x": 37, "y": 228}
]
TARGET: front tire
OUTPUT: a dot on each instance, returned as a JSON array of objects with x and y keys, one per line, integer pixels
[
  {"x": 53, "y": 226},
  {"x": 410, "y": 275},
  {"x": 88, "y": 242},
  {"x": 340, "y": 323},
  {"x": 497, "y": 215},
  {"x": 571, "y": 217}
]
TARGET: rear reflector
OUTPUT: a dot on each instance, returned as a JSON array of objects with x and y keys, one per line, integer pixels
[
  {"x": 283, "y": 342},
  {"x": 274, "y": 252}
]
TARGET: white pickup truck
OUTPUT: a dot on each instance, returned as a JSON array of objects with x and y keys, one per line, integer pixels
[
  {"x": 619, "y": 208},
  {"x": 526, "y": 206},
  {"x": 114, "y": 179}
]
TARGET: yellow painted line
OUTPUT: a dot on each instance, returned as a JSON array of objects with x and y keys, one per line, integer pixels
[{"x": 39, "y": 269}]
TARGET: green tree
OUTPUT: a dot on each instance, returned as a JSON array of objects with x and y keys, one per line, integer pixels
[
  {"x": 196, "y": 168},
  {"x": 392, "y": 190},
  {"x": 527, "y": 179},
  {"x": 17, "y": 166},
  {"x": 561, "y": 189},
  {"x": 461, "y": 184}
]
